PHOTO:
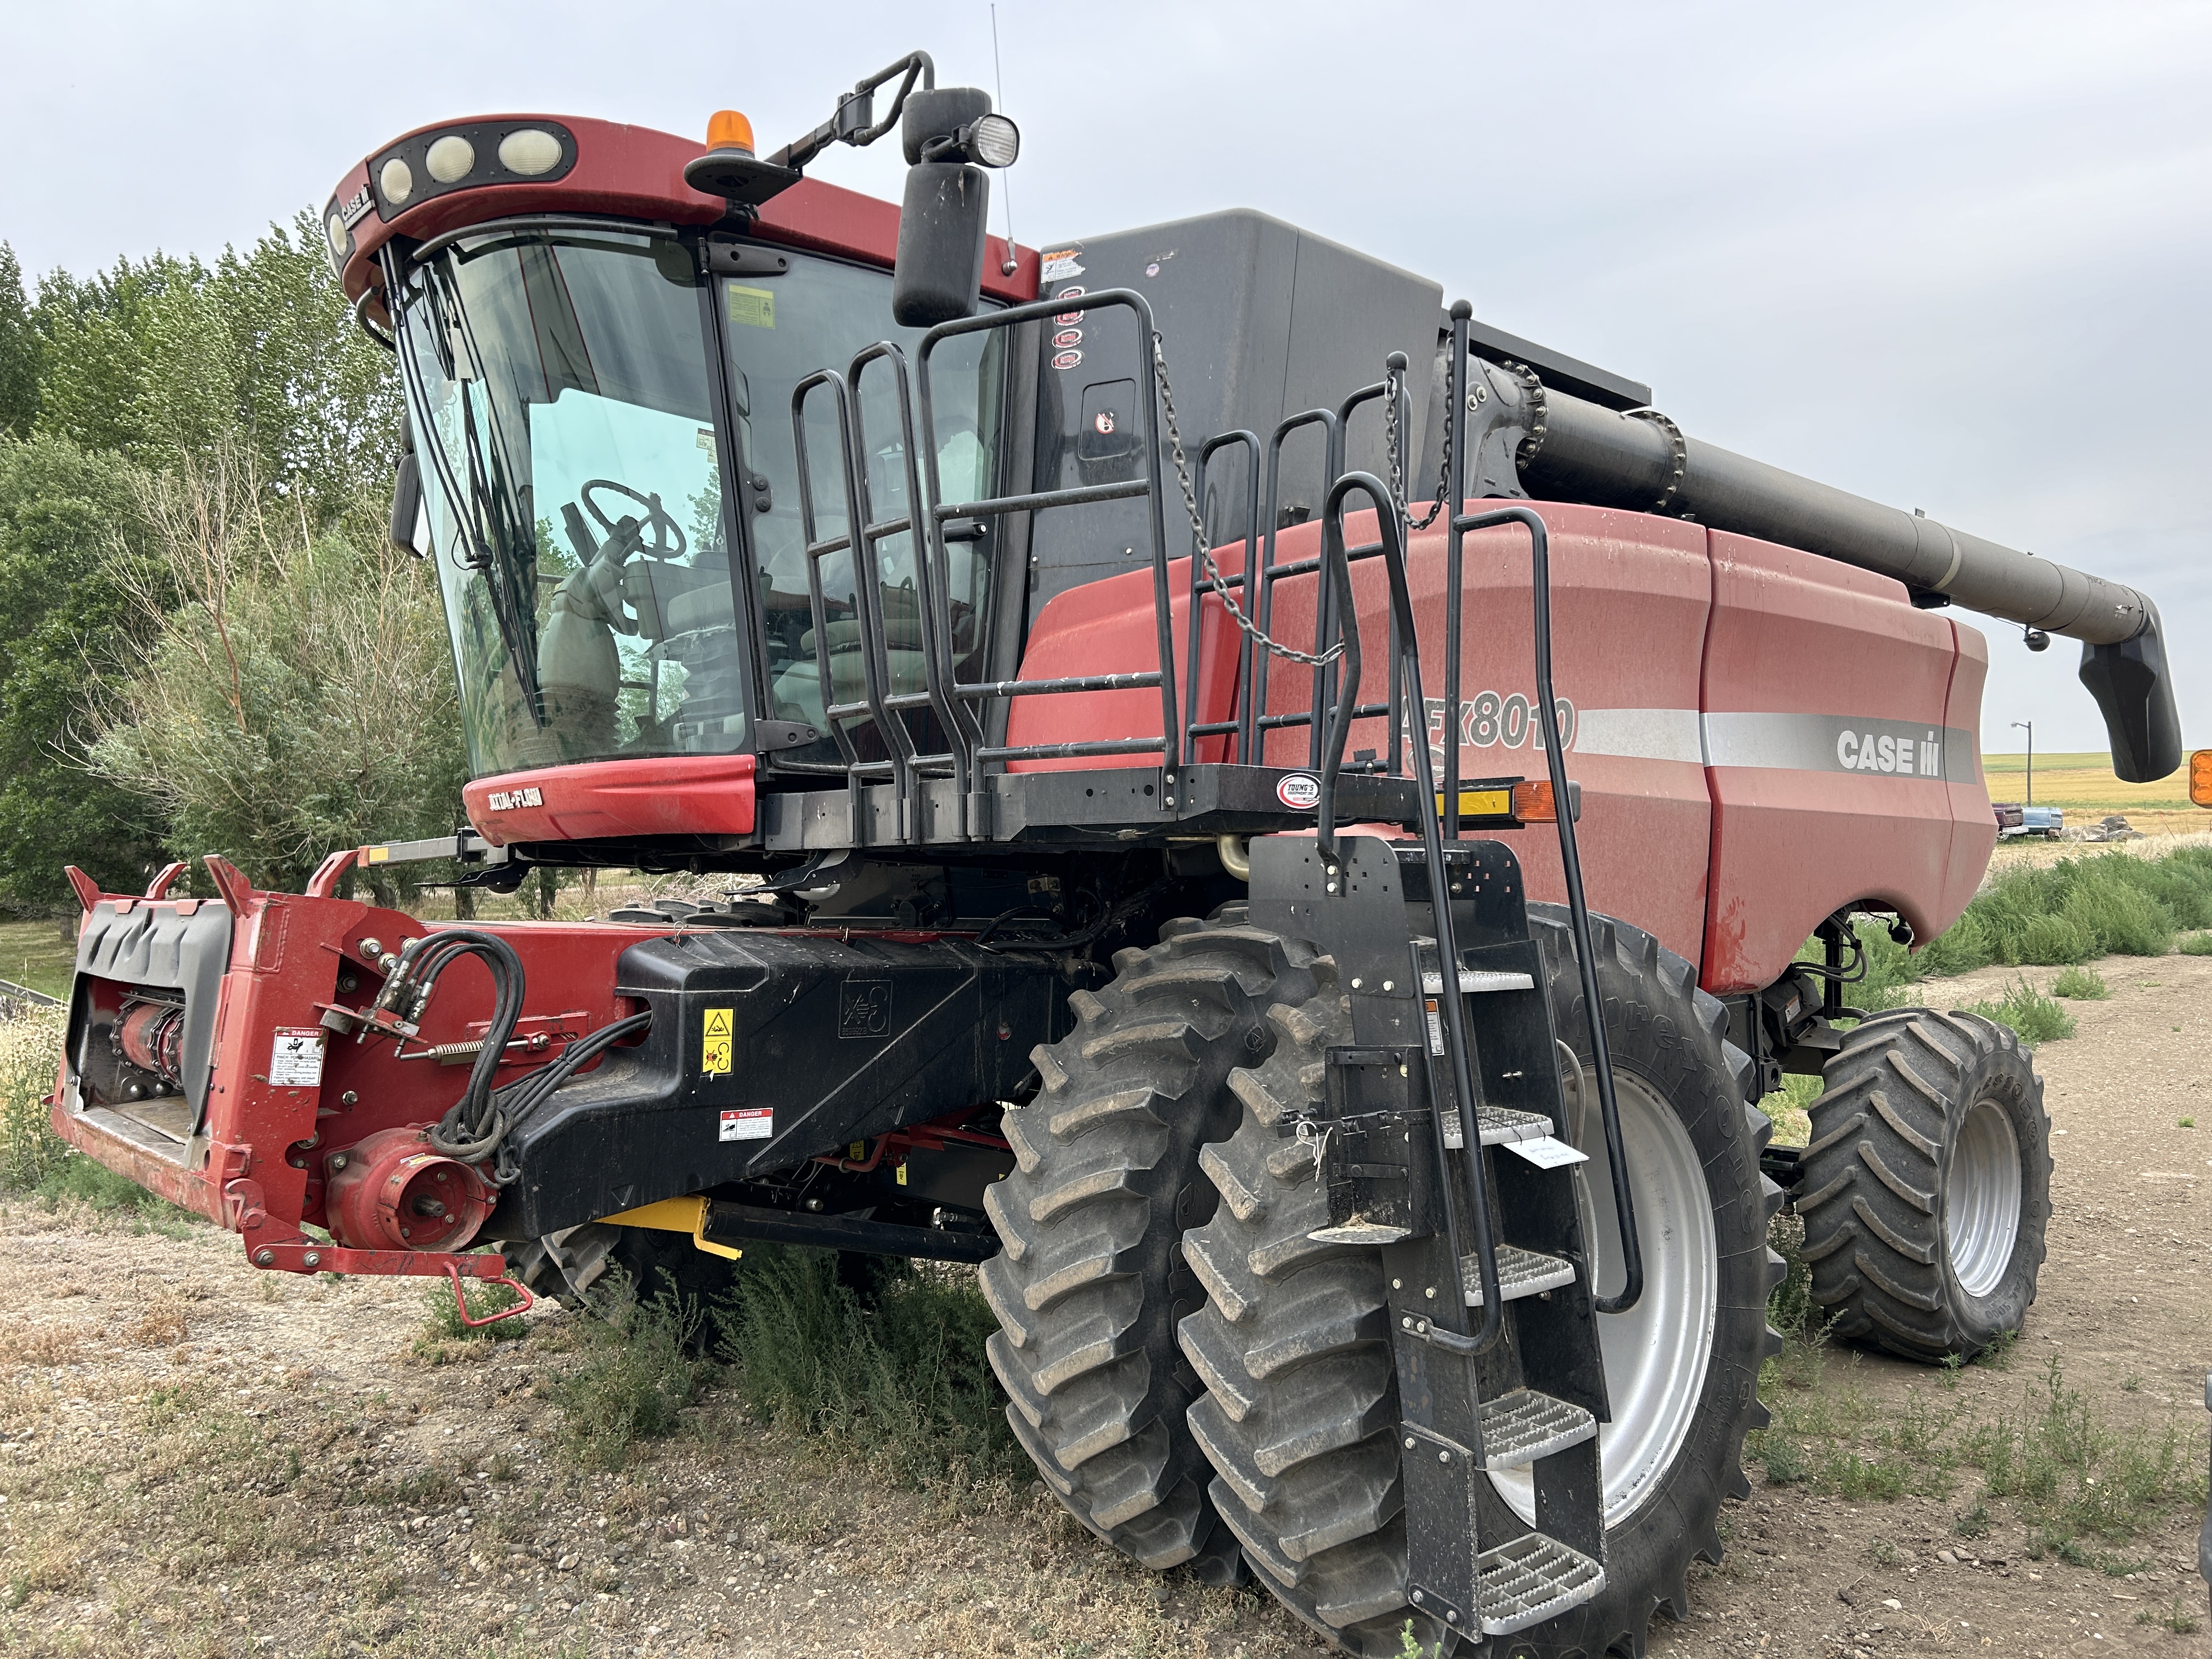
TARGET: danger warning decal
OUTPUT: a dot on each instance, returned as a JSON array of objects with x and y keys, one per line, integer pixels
[
  {"x": 748, "y": 1123},
  {"x": 719, "y": 1048},
  {"x": 296, "y": 1059}
]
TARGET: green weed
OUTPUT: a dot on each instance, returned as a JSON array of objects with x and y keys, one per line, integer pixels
[
  {"x": 442, "y": 1315},
  {"x": 2081, "y": 985},
  {"x": 1784, "y": 1461},
  {"x": 2035, "y": 1017},
  {"x": 638, "y": 1372},
  {"x": 2108, "y": 904},
  {"x": 1972, "y": 1522},
  {"x": 899, "y": 1377},
  {"x": 1789, "y": 1306}
]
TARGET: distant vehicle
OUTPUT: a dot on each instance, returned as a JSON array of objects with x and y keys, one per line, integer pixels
[{"x": 2014, "y": 819}]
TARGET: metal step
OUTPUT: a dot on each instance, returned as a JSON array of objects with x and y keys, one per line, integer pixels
[
  {"x": 1531, "y": 1579},
  {"x": 1520, "y": 1272},
  {"x": 1497, "y": 1125},
  {"x": 1521, "y": 1426},
  {"x": 1473, "y": 981}
]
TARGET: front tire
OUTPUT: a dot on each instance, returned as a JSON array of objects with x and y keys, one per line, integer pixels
[
  {"x": 1927, "y": 1184},
  {"x": 1293, "y": 1343},
  {"x": 1091, "y": 1279}
]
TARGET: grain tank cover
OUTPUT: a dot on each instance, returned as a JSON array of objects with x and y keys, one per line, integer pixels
[{"x": 1261, "y": 320}]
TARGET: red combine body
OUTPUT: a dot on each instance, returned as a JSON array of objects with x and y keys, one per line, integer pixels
[{"x": 1277, "y": 818}]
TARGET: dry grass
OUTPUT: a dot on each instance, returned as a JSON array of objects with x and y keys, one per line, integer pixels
[{"x": 30, "y": 1058}]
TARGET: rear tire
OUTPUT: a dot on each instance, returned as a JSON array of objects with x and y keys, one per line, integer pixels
[
  {"x": 1927, "y": 1184},
  {"x": 1293, "y": 1343},
  {"x": 1091, "y": 1279}
]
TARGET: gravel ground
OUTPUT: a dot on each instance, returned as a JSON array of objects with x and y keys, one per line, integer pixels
[{"x": 198, "y": 1459}]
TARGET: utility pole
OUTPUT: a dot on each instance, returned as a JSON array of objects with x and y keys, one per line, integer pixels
[{"x": 2029, "y": 727}]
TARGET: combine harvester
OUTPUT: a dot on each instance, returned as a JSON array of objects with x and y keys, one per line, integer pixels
[{"x": 1318, "y": 955}]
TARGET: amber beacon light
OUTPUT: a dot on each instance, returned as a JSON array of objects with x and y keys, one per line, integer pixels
[{"x": 730, "y": 169}]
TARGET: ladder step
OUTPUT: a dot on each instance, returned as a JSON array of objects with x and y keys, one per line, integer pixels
[
  {"x": 1497, "y": 1125},
  {"x": 1523, "y": 1425},
  {"x": 1520, "y": 1272},
  {"x": 1473, "y": 980},
  {"x": 1531, "y": 1579}
]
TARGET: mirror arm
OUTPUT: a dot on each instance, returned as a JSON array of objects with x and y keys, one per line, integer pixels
[{"x": 855, "y": 123}]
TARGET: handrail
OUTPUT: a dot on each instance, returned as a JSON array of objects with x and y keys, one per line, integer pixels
[
  {"x": 1148, "y": 423},
  {"x": 1263, "y": 615},
  {"x": 1457, "y": 1042},
  {"x": 1631, "y": 1250},
  {"x": 933, "y": 574},
  {"x": 1243, "y": 580}
]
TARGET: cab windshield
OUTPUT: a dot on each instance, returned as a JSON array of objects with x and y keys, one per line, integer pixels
[{"x": 563, "y": 396}]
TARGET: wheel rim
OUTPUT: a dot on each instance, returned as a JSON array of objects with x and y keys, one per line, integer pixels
[
  {"x": 1981, "y": 1200},
  {"x": 1657, "y": 1353}
]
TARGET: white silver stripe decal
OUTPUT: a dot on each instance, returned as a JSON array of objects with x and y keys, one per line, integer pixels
[
  {"x": 1797, "y": 742},
  {"x": 1640, "y": 734}
]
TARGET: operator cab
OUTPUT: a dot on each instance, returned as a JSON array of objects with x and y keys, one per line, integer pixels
[{"x": 607, "y": 413}]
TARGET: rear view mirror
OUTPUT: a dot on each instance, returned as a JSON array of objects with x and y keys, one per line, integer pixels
[
  {"x": 939, "y": 274},
  {"x": 942, "y": 218},
  {"x": 407, "y": 503}
]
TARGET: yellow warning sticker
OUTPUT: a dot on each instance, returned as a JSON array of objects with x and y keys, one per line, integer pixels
[
  {"x": 720, "y": 1042},
  {"x": 754, "y": 307}
]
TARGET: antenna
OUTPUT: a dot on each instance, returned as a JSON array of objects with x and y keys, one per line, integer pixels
[{"x": 1005, "y": 197}]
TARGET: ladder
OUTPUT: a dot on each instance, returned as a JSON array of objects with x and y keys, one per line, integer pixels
[{"x": 1438, "y": 1133}]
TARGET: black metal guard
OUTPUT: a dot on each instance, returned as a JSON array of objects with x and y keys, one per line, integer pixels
[
  {"x": 1169, "y": 745},
  {"x": 1458, "y": 1044}
]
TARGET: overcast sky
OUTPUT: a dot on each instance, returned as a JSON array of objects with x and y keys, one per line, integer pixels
[{"x": 1952, "y": 257}]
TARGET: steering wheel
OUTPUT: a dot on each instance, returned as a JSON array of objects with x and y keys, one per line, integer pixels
[{"x": 658, "y": 518}]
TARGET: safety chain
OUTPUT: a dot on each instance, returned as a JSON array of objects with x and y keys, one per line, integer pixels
[
  {"x": 1393, "y": 381},
  {"x": 1682, "y": 453},
  {"x": 1534, "y": 439},
  {"x": 1214, "y": 579}
]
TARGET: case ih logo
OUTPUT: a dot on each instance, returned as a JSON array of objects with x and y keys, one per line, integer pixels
[
  {"x": 1900, "y": 754},
  {"x": 506, "y": 801}
]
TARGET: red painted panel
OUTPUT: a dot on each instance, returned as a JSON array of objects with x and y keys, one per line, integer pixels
[
  {"x": 1629, "y": 602},
  {"x": 1810, "y": 665},
  {"x": 1109, "y": 626},
  {"x": 1973, "y": 826},
  {"x": 267, "y": 1142},
  {"x": 828, "y": 219},
  {"x": 637, "y": 173},
  {"x": 671, "y": 795}
]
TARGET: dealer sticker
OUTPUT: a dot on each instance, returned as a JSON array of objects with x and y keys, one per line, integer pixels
[
  {"x": 1300, "y": 792},
  {"x": 1547, "y": 1153},
  {"x": 296, "y": 1061},
  {"x": 749, "y": 1123}
]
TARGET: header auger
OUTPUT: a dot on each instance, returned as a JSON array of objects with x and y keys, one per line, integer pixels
[{"x": 1320, "y": 957}]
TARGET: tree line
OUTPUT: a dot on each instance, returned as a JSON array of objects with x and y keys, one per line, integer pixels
[{"x": 207, "y": 642}]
